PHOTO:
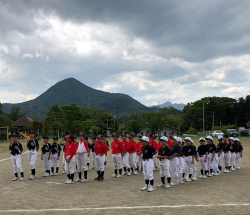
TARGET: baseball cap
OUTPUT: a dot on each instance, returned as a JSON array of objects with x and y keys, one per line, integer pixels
[
  {"x": 123, "y": 135},
  {"x": 144, "y": 138},
  {"x": 209, "y": 138},
  {"x": 81, "y": 134},
  {"x": 100, "y": 136},
  {"x": 93, "y": 138},
  {"x": 236, "y": 139},
  {"x": 171, "y": 132},
  {"x": 175, "y": 138},
  {"x": 231, "y": 138},
  {"x": 220, "y": 137},
  {"x": 202, "y": 139},
  {"x": 55, "y": 138},
  {"x": 149, "y": 134},
  {"x": 179, "y": 139},
  {"x": 164, "y": 138},
  {"x": 14, "y": 135},
  {"x": 189, "y": 139},
  {"x": 114, "y": 135},
  {"x": 32, "y": 132},
  {"x": 45, "y": 137},
  {"x": 131, "y": 136},
  {"x": 140, "y": 136}
]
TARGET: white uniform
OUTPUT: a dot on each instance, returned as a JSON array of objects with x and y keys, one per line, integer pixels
[{"x": 82, "y": 157}]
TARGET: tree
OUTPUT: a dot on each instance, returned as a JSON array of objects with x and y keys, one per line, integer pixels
[
  {"x": 15, "y": 113},
  {"x": 5, "y": 121}
]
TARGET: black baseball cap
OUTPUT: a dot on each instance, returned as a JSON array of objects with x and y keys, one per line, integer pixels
[
  {"x": 32, "y": 132},
  {"x": 45, "y": 137},
  {"x": 14, "y": 135},
  {"x": 55, "y": 138}
]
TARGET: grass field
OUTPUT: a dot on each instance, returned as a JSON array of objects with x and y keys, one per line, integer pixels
[{"x": 225, "y": 194}]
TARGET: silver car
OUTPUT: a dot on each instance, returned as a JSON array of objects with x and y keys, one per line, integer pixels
[{"x": 217, "y": 133}]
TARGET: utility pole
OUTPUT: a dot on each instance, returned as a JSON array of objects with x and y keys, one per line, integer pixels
[
  {"x": 203, "y": 120},
  {"x": 213, "y": 119}
]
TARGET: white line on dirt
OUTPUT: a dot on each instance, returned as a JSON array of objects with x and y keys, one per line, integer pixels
[
  {"x": 52, "y": 182},
  {"x": 120, "y": 208},
  {"x": 9, "y": 157}
]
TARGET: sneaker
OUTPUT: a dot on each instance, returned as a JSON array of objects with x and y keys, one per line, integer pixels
[
  {"x": 56, "y": 174},
  {"x": 181, "y": 182},
  {"x": 45, "y": 174},
  {"x": 216, "y": 174},
  {"x": 151, "y": 188},
  {"x": 78, "y": 180},
  {"x": 232, "y": 169},
  {"x": 201, "y": 176},
  {"x": 161, "y": 185},
  {"x": 210, "y": 175},
  {"x": 135, "y": 172},
  {"x": 124, "y": 173},
  {"x": 168, "y": 186},
  {"x": 84, "y": 180},
  {"x": 52, "y": 174},
  {"x": 97, "y": 178},
  {"x": 63, "y": 172},
  {"x": 129, "y": 173},
  {"x": 15, "y": 179},
  {"x": 204, "y": 176},
  {"x": 175, "y": 183},
  {"x": 101, "y": 179},
  {"x": 188, "y": 179},
  {"x": 22, "y": 179},
  {"x": 114, "y": 176},
  {"x": 225, "y": 171},
  {"x": 238, "y": 167},
  {"x": 32, "y": 177},
  {"x": 144, "y": 188},
  {"x": 119, "y": 176},
  {"x": 194, "y": 179},
  {"x": 67, "y": 182}
]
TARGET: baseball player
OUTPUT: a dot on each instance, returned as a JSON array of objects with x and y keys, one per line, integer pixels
[
  {"x": 82, "y": 158},
  {"x": 87, "y": 139},
  {"x": 233, "y": 155},
  {"x": 55, "y": 156},
  {"x": 46, "y": 155},
  {"x": 16, "y": 150},
  {"x": 202, "y": 153},
  {"x": 239, "y": 151},
  {"x": 125, "y": 155},
  {"x": 181, "y": 162},
  {"x": 227, "y": 154},
  {"x": 174, "y": 161},
  {"x": 132, "y": 154},
  {"x": 189, "y": 158},
  {"x": 154, "y": 145},
  {"x": 116, "y": 156},
  {"x": 171, "y": 134},
  {"x": 107, "y": 143},
  {"x": 139, "y": 155},
  {"x": 100, "y": 149},
  {"x": 211, "y": 153},
  {"x": 69, "y": 155},
  {"x": 148, "y": 164},
  {"x": 164, "y": 162},
  {"x": 33, "y": 147},
  {"x": 93, "y": 139},
  {"x": 62, "y": 146},
  {"x": 219, "y": 154},
  {"x": 193, "y": 165}
]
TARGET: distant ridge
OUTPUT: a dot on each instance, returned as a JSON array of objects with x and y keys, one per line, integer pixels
[
  {"x": 72, "y": 91},
  {"x": 175, "y": 105}
]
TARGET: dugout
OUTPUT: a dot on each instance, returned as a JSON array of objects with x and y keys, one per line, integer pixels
[{"x": 4, "y": 133}]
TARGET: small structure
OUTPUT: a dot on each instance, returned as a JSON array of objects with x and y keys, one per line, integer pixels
[
  {"x": 4, "y": 133},
  {"x": 22, "y": 123}
]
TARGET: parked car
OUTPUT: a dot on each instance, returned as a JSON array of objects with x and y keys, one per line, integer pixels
[
  {"x": 217, "y": 133},
  {"x": 245, "y": 132},
  {"x": 232, "y": 133}
]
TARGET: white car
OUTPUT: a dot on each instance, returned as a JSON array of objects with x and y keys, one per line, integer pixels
[{"x": 217, "y": 133}]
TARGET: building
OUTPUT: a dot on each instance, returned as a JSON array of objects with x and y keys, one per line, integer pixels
[{"x": 22, "y": 123}]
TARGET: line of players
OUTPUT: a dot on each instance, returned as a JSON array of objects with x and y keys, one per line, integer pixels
[{"x": 128, "y": 155}]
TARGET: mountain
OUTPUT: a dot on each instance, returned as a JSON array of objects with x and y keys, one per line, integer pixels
[
  {"x": 72, "y": 91},
  {"x": 175, "y": 105}
]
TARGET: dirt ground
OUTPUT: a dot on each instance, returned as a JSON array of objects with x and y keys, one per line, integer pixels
[{"x": 228, "y": 193}]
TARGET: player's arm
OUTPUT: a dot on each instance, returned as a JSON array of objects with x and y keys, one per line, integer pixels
[
  {"x": 37, "y": 145},
  {"x": 241, "y": 151},
  {"x": 174, "y": 155},
  {"x": 21, "y": 148},
  {"x": 50, "y": 148}
]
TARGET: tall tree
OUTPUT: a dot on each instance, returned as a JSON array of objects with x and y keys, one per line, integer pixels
[{"x": 15, "y": 113}]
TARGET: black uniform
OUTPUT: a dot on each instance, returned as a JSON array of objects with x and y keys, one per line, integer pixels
[
  {"x": 227, "y": 147},
  {"x": 33, "y": 144},
  {"x": 211, "y": 148},
  {"x": 165, "y": 151},
  {"x": 189, "y": 151},
  {"x": 175, "y": 149},
  {"x": 16, "y": 148},
  {"x": 202, "y": 150},
  {"x": 233, "y": 148},
  {"x": 55, "y": 149},
  {"x": 220, "y": 146},
  {"x": 238, "y": 148},
  {"x": 46, "y": 148},
  {"x": 148, "y": 152}
]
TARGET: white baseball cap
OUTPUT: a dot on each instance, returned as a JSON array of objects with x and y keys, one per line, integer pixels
[
  {"x": 179, "y": 139},
  {"x": 144, "y": 138},
  {"x": 209, "y": 138},
  {"x": 236, "y": 139},
  {"x": 202, "y": 139},
  {"x": 189, "y": 139},
  {"x": 231, "y": 138},
  {"x": 175, "y": 138},
  {"x": 219, "y": 137},
  {"x": 164, "y": 138}
]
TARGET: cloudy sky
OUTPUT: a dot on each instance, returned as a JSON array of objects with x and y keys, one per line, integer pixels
[{"x": 152, "y": 50}]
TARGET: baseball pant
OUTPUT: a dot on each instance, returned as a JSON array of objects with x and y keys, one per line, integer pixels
[
  {"x": 181, "y": 168},
  {"x": 164, "y": 166},
  {"x": 155, "y": 160},
  {"x": 32, "y": 156},
  {"x": 99, "y": 163},
  {"x": 16, "y": 163},
  {"x": 227, "y": 159},
  {"x": 81, "y": 161},
  {"x": 233, "y": 156},
  {"x": 174, "y": 162},
  {"x": 220, "y": 158},
  {"x": 138, "y": 160},
  {"x": 125, "y": 158},
  {"x": 238, "y": 159},
  {"x": 132, "y": 161},
  {"x": 216, "y": 163},
  {"x": 54, "y": 161},
  {"x": 210, "y": 163},
  {"x": 187, "y": 165},
  {"x": 203, "y": 164},
  {"x": 194, "y": 169},
  {"x": 69, "y": 167},
  {"x": 63, "y": 162},
  {"x": 93, "y": 158},
  {"x": 117, "y": 160},
  {"x": 46, "y": 161},
  {"x": 148, "y": 168}
]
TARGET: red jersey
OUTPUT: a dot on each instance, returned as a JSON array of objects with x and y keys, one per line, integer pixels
[
  {"x": 169, "y": 144},
  {"x": 70, "y": 149},
  {"x": 139, "y": 148},
  {"x": 101, "y": 148},
  {"x": 116, "y": 147},
  {"x": 158, "y": 146},
  {"x": 125, "y": 145},
  {"x": 153, "y": 143},
  {"x": 132, "y": 146}
]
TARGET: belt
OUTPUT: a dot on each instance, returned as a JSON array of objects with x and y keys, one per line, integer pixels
[
  {"x": 15, "y": 154},
  {"x": 32, "y": 150},
  {"x": 201, "y": 155},
  {"x": 227, "y": 152},
  {"x": 232, "y": 152},
  {"x": 187, "y": 155},
  {"x": 116, "y": 153},
  {"x": 162, "y": 159},
  {"x": 146, "y": 159},
  {"x": 81, "y": 153}
]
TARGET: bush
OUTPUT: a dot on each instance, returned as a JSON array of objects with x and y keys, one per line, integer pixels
[{"x": 192, "y": 130}]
